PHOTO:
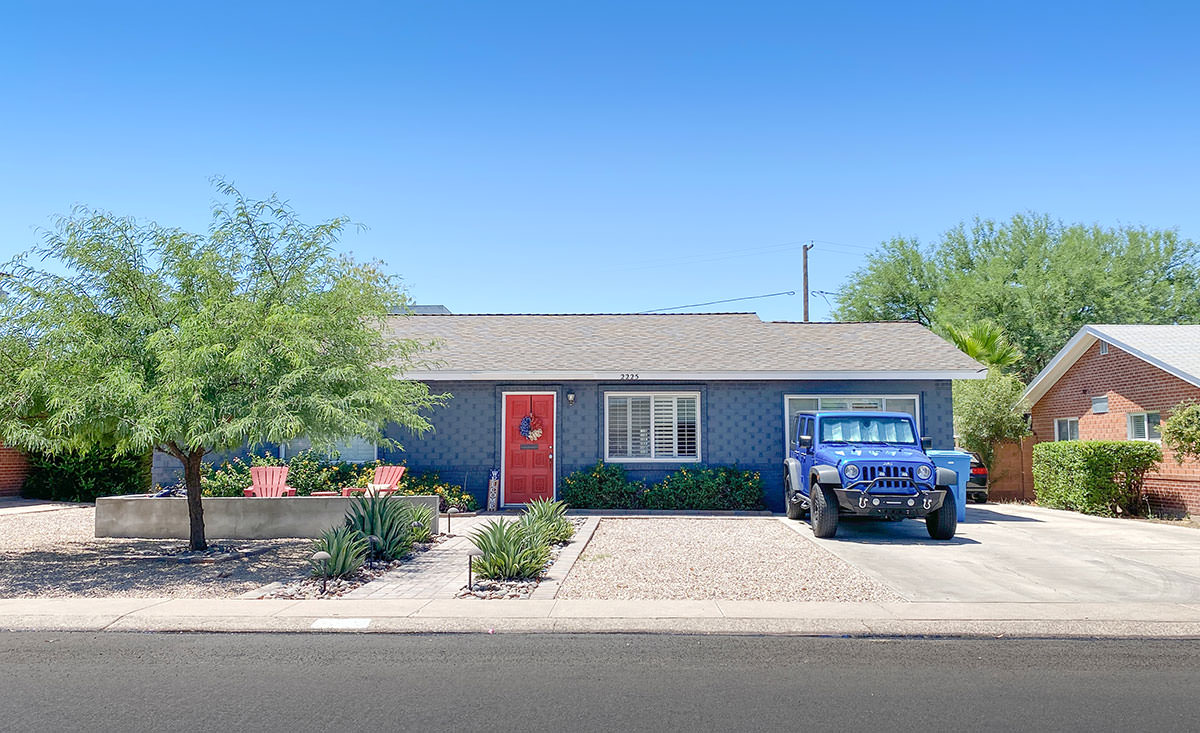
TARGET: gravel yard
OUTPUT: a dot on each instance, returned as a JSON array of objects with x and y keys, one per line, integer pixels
[
  {"x": 721, "y": 559},
  {"x": 53, "y": 553}
]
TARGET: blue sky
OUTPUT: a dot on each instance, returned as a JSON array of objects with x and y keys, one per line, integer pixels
[{"x": 605, "y": 156}]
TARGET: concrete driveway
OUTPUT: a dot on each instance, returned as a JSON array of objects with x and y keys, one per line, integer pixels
[{"x": 1007, "y": 552}]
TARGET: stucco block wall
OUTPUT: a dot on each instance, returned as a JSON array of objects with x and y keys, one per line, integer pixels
[
  {"x": 14, "y": 468},
  {"x": 740, "y": 423},
  {"x": 1131, "y": 385}
]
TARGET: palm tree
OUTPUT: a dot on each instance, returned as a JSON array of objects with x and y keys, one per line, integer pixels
[{"x": 986, "y": 343}]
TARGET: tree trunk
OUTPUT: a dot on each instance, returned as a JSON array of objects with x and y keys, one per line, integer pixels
[{"x": 191, "y": 479}]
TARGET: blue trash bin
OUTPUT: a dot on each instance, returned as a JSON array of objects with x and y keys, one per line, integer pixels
[{"x": 960, "y": 463}]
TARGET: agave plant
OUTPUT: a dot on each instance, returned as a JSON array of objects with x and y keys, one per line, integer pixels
[
  {"x": 421, "y": 519},
  {"x": 382, "y": 516},
  {"x": 347, "y": 551},
  {"x": 552, "y": 516},
  {"x": 510, "y": 551}
]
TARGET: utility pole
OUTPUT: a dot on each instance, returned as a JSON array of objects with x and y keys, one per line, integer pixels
[{"x": 807, "y": 247}]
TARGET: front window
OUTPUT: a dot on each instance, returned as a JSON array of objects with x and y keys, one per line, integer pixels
[
  {"x": 866, "y": 429},
  {"x": 652, "y": 427},
  {"x": 1144, "y": 426}
]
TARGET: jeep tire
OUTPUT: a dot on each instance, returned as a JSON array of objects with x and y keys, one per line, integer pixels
[
  {"x": 793, "y": 508},
  {"x": 943, "y": 522},
  {"x": 824, "y": 511}
]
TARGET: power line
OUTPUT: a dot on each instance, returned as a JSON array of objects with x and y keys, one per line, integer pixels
[{"x": 715, "y": 302}]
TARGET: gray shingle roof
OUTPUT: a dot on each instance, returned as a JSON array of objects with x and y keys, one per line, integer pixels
[
  {"x": 1173, "y": 348},
  {"x": 679, "y": 346}
]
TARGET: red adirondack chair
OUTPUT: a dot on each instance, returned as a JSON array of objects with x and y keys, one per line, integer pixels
[
  {"x": 387, "y": 475},
  {"x": 269, "y": 481}
]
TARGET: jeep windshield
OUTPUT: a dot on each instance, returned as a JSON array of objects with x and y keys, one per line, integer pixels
[{"x": 866, "y": 429}]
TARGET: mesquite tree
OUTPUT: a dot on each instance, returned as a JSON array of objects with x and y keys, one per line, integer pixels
[{"x": 133, "y": 336}]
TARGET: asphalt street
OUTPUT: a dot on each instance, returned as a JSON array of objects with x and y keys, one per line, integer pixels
[{"x": 301, "y": 682}]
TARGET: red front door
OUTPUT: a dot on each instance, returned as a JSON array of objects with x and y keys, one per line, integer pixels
[{"x": 528, "y": 456}]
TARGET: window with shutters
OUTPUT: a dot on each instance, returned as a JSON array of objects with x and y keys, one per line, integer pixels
[
  {"x": 652, "y": 426},
  {"x": 1144, "y": 426}
]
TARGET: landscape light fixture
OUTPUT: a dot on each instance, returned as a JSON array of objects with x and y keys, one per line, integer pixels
[
  {"x": 374, "y": 542},
  {"x": 323, "y": 558},
  {"x": 449, "y": 513}
]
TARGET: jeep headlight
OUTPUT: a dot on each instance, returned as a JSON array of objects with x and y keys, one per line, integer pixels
[
  {"x": 851, "y": 471},
  {"x": 924, "y": 472}
]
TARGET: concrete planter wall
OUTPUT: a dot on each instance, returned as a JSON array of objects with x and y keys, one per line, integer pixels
[{"x": 234, "y": 518}]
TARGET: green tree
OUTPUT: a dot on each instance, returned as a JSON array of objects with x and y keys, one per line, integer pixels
[
  {"x": 986, "y": 343},
  {"x": 132, "y": 336},
  {"x": 1038, "y": 279},
  {"x": 988, "y": 411}
]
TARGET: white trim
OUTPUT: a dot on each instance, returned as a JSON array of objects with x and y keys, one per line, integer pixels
[
  {"x": 604, "y": 395},
  {"x": 1067, "y": 420},
  {"x": 1146, "y": 424},
  {"x": 916, "y": 398},
  {"x": 668, "y": 376},
  {"x": 1077, "y": 347},
  {"x": 504, "y": 441}
]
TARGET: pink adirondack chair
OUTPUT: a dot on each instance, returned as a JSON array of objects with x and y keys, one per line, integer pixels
[
  {"x": 386, "y": 475},
  {"x": 269, "y": 481}
]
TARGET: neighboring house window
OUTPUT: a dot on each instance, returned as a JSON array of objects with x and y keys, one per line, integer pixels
[
  {"x": 354, "y": 450},
  {"x": 1100, "y": 405},
  {"x": 652, "y": 427},
  {"x": 1144, "y": 426},
  {"x": 1066, "y": 428},
  {"x": 795, "y": 404},
  {"x": 1103, "y": 347}
]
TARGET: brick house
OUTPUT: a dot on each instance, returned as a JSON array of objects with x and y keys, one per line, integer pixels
[
  {"x": 13, "y": 470},
  {"x": 1119, "y": 383}
]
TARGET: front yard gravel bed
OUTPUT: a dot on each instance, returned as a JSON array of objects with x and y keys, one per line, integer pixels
[
  {"x": 55, "y": 554},
  {"x": 673, "y": 558}
]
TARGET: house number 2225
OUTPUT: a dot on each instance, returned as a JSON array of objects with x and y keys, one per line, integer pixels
[{"x": 629, "y": 377}]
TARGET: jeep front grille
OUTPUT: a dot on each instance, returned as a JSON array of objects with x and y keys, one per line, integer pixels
[{"x": 888, "y": 477}]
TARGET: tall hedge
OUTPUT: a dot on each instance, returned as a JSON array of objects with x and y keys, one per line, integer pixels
[
  {"x": 1100, "y": 477},
  {"x": 75, "y": 477}
]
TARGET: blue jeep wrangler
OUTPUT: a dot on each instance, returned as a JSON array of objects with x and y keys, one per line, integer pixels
[{"x": 866, "y": 464}]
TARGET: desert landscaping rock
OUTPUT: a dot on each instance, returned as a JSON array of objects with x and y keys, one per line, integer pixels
[
  {"x": 713, "y": 559},
  {"x": 54, "y": 554}
]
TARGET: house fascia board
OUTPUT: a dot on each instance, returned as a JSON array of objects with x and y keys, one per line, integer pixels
[{"x": 634, "y": 376}]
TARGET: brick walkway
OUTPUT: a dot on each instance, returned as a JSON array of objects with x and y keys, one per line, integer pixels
[{"x": 439, "y": 572}]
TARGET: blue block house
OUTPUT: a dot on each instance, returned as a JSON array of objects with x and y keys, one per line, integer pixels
[{"x": 537, "y": 397}]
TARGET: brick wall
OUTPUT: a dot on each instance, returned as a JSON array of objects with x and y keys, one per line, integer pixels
[
  {"x": 1131, "y": 385},
  {"x": 13, "y": 470}
]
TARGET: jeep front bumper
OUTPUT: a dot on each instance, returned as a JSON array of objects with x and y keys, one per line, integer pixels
[{"x": 854, "y": 501}]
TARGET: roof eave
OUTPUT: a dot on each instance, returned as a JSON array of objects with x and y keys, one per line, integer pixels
[{"x": 454, "y": 375}]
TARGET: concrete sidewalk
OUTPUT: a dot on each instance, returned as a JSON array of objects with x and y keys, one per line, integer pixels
[{"x": 1158, "y": 620}]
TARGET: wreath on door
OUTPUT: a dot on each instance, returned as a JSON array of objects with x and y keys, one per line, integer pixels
[{"x": 531, "y": 427}]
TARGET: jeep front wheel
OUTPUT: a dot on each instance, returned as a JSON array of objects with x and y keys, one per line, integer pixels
[
  {"x": 824, "y": 511},
  {"x": 943, "y": 523}
]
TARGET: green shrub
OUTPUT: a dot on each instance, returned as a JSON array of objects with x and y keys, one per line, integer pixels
[
  {"x": 603, "y": 486},
  {"x": 308, "y": 471},
  {"x": 422, "y": 516},
  {"x": 386, "y": 518},
  {"x": 1181, "y": 431},
  {"x": 551, "y": 516},
  {"x": 707, "y": 488},
  {"x": 510, "y": 551},
  {"x": 1093, "y": 476},
  {"x": 347, "y": 551},
  {"x": 84, "y": 477},
  {"x": 430, "y": 484}
]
